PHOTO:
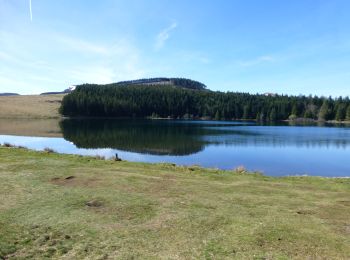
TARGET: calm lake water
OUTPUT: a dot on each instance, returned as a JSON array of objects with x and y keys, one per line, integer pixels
[{"x": 273, "y": 150}]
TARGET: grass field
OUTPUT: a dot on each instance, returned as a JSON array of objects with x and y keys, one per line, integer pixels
[
  {"x": 34, "y": 106},
  {"x": 71, "y": 207}
]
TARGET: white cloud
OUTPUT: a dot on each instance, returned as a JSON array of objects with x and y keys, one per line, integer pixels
[{"x": 164, "y": 35}]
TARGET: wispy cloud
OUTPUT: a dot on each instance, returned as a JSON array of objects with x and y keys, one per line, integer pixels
[
  {"x": 30, "y": 10},
  {"x": 114, "y": 62},
  {"x": 24, "y": 62},
  {"x": 80, "y": 45},
  {"x": 256, "y": 61},
  {"x": 88, "y": 61},
  {"x": 164, "y": 35}
]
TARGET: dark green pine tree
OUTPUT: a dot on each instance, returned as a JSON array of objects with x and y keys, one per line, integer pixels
[
  {"x": 348, "y": 114},
  {"x": 273, "y": 115},
  {"x": 246, "y": 110},
  {"x": 258, "y": 116},
  {"x": 223, "y": 115},
  {"x": 323, "y": 113},
  {"x": 217, "y": 115},
  {"x": 294, "y": 111},
  {"x": 341, "y": 113},
  {"x": 307, "y": 114}
]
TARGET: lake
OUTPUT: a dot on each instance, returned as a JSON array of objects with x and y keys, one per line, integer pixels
[{"x": 275, "y": 150}]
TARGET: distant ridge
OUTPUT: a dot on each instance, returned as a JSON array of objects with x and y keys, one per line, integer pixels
[
  {"x": 66, "y": 91},
  {"x": 178, "y": 82},
  {"x": 8, "y": 94}
]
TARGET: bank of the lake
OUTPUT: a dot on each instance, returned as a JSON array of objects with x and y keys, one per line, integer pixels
[{"x": 55, "y": 205}]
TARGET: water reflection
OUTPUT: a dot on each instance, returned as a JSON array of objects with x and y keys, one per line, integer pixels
[
  {"x": 30, "y": 127},
  {"x": 135, "y": 136},
  {"x": 279, "y": 136},
  {"x": 189, "y": 137}
]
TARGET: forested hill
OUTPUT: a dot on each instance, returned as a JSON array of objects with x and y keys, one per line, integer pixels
[
  {"x": 165, "y": 100},
  {"x": 177, "y": 82},
  {"x": 8, "y": 94}
]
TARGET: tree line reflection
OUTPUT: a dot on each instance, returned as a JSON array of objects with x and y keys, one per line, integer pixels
[{"x": 160, "y": 137}]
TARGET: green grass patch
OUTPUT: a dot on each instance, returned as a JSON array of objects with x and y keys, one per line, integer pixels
[{"x": 73, "y": 207}]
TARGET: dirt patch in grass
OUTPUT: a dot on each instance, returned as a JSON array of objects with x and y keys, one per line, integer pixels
[
  {"x": 94, "y": 203},
  {"x": 344, "y": 202},
  {"x": 305, "y": 212},
  {"x": 76, "y": 182}
]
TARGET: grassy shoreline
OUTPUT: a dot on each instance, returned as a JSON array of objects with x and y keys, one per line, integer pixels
[{"x": 66, "y": 206}]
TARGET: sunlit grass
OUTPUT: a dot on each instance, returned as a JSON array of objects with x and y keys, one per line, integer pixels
[{"x": 73, "y": 207}]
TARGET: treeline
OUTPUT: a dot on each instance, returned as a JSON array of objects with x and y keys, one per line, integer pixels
[{"x": 168, "y": 101}]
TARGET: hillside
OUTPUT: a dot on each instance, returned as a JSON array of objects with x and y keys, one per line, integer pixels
[
  {"x": 66, "y": 91},
  {"x": 8, "y": 94},
  {"x": 177, "y": 82}
]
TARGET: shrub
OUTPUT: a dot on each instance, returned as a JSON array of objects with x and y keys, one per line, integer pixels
[{"x": 240, "y": 169}]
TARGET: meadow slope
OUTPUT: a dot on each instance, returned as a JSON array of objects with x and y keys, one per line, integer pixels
[{"x": 30, "y": 106}]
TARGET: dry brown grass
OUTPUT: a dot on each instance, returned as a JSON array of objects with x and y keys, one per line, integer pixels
[{"x": 33, "y": 106}]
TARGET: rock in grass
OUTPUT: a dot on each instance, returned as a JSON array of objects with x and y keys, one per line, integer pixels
[{"x": 94, "y": 203}]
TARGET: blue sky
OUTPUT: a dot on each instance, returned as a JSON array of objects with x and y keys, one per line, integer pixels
[{"x": 287, "y": 47}]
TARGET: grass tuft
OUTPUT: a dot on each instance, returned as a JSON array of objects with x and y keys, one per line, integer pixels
[{"x": 99, "y": 157}]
